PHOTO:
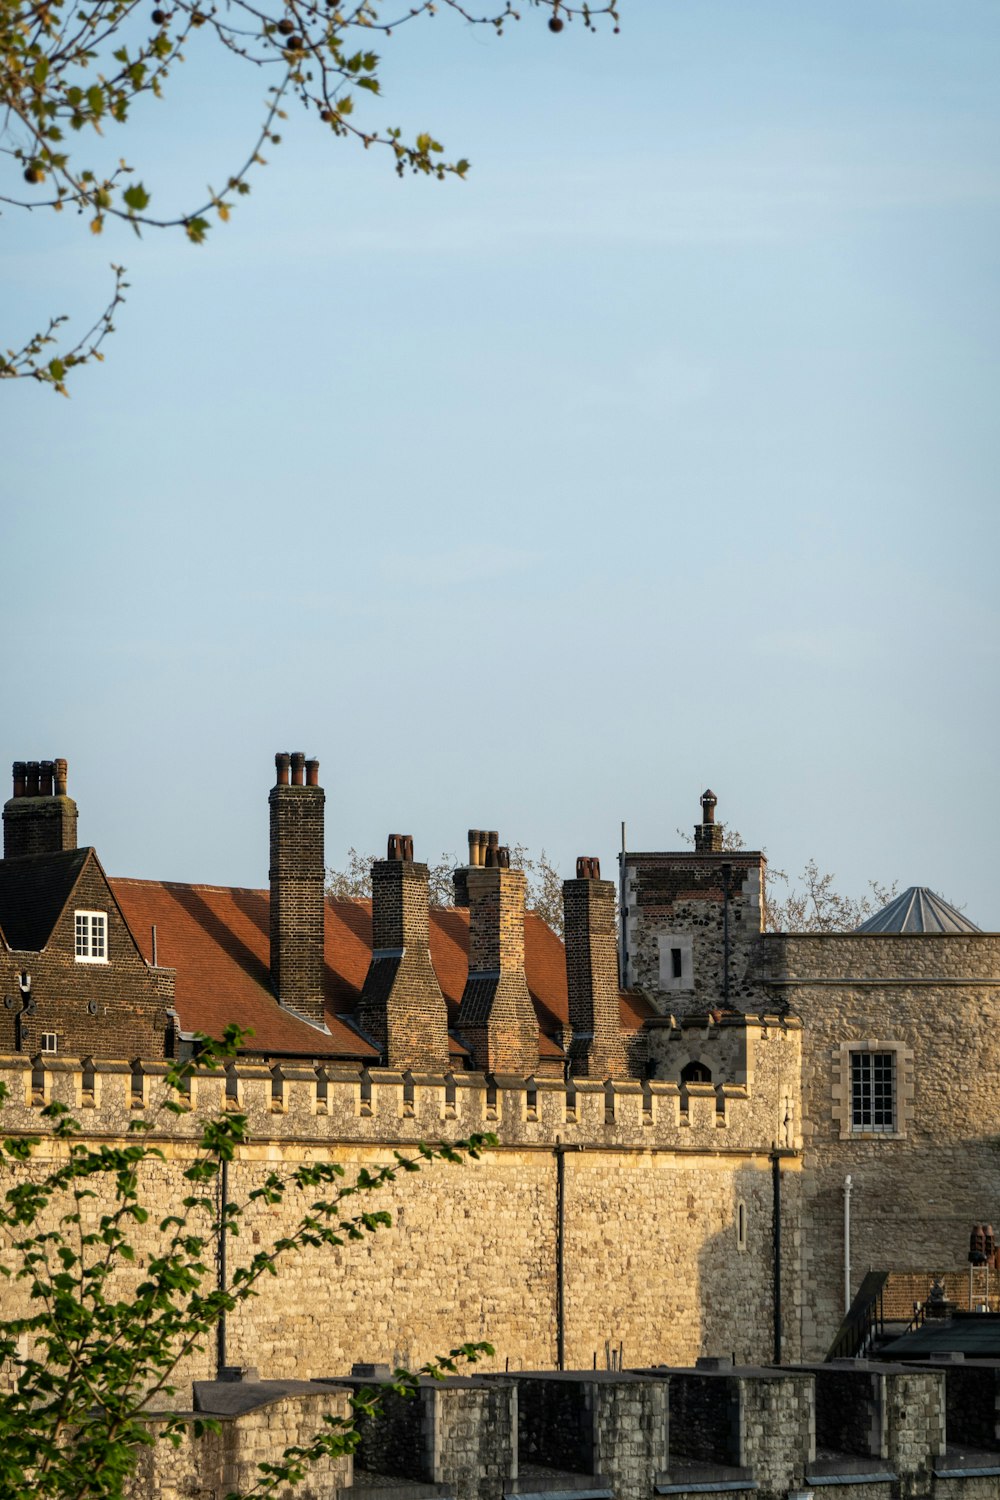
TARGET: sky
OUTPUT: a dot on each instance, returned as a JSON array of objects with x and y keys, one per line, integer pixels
[{"x": 660, "y": 454}]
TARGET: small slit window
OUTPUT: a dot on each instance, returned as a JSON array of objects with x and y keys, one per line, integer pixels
[
  {"x": 677, "y": 963},
  {"x": 91, "y": 937},
  {"x": 741, "y": 1226}
]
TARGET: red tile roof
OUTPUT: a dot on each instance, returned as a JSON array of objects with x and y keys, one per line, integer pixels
[{"x": 217, "y": 938}]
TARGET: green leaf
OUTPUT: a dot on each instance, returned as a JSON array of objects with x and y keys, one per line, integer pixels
[{"x": 136, "y": 197}]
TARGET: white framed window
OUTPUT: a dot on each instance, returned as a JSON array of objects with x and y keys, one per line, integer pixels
[
  {"x": 91, "y": 929},
  {"x": 50, "y": 1042},
  {"x": 873, "y": 1092}
]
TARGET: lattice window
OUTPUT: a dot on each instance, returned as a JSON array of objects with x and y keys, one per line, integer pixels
[{"x": 873, "y": 1091}]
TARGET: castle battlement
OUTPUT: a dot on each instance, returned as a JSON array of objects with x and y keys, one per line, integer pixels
[{"x": 336, "y": 1103}]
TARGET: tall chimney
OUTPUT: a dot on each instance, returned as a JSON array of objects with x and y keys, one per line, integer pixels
[
  {"x": 402, "y": 1008},
  {"x": 597, "y": 1047},
  {"x": 39, "y": 818},
  {"x": 497, "y": 1018},
  {"x": 297, "y": 875},
  {"x": 708, "y": 833}
]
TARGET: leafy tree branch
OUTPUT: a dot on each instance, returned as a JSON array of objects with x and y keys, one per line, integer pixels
[
  {"x": 72, "y": 73},
  {"x": 106, "y": 1328}
]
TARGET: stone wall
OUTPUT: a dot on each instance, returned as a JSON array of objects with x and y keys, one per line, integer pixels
[
  {"x": 211, "y": 1466},
  {"x": 935, "y": 998},
  {"x": 651, "y": 1257},
  {"x": 678, "y": 901}
]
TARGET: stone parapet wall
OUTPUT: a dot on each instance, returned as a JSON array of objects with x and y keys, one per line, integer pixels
[
  {"x": 650, "y": 1253},
  {"x": 211, "y": 1466},
  {"x": 877, "y": 957},
  {"x": 335, "y": 1103}
]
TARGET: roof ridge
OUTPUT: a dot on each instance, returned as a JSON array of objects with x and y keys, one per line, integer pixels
[{"x": 185, "y": 885}]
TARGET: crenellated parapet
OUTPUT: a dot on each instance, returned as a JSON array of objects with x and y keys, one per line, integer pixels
[{"x": 305, "y": 1103}]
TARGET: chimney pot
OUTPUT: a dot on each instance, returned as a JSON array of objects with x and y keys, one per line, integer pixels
[
  {"x": 588, "y": 867},
  {"x": 34, "y": 821},
  {"x": 312, "y": 773},
  {"x": 477, "y": 842},
  {"x": 503, "y": 857},
  {"x": 400, "y": 846},
  {"x": 281, "y": 768},
  {"x": 708, "y": 801},
  {"x": 298, "y": 760}
]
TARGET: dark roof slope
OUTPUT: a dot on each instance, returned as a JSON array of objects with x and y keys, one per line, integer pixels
[
  {"x": 976, "y": 1335},
  {"x": 34, "y": 891}
]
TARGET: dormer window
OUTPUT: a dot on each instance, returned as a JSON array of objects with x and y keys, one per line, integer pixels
[{"x": 91, "y": 937}]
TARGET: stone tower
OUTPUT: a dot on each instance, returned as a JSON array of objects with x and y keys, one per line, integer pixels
[{"x": 690, "y": 920}]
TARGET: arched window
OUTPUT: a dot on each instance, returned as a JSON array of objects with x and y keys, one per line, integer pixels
[{"x": 696, "y": 1072}]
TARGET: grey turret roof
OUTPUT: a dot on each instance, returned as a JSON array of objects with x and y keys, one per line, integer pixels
[{"x": 918, "y": 910}]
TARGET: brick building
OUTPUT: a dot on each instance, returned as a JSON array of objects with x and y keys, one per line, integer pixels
[{"x": 666, "y": 1101}]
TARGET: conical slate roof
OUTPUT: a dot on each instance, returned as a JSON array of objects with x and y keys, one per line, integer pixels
[{"x": 918, "y": 910}]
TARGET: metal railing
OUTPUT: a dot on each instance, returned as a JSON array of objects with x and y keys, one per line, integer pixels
[{"x": 864, "y": 1321}]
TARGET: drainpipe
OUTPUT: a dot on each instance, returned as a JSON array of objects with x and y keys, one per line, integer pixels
[
  {"x": 727, "y": 875},
  {"x": 220, "y": 1331},
  {"x": 622, "y": 933},
  {"x": 776, "y": 1243},
  {"x": 560, "y": 1153},
  {"x": 847, "y": 1242}
]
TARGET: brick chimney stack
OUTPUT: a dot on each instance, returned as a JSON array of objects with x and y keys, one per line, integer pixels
[
  {"x": 39, "y": 818},
  {"x": 708, "y": 833},
  {"x": 402, "y": 1008},
  {"x": 297, "y": 875},
  {"x": 597, "y": 1047},
  {"x": 497, "y": 1018}
]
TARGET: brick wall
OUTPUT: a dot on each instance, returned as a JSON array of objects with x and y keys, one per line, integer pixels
[
  {"x": 297, "y": 875},
  {"x": 597, "y": 1047},
  {"x": 112, "y": 1009},
  {"x": 497, "y": 1016},
  {"x": 402, "y": 1008}
]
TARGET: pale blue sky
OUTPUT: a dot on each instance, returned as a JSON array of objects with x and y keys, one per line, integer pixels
[{"x": 660, "y": 454}]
